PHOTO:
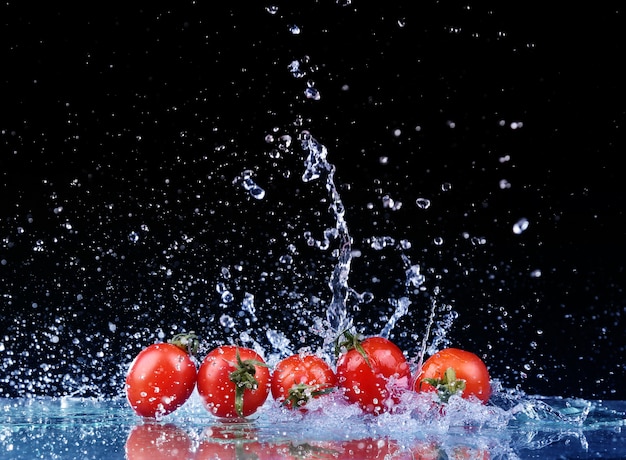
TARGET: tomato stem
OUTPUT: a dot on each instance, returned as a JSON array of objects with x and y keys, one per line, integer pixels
[
  {"x": 446, "y": 386},
  {"x": 243, "y": 378},
  {"x": 351, "y": 341},
  {"x": 186, "y": 341},
  {"x": 301, "y": 393}
]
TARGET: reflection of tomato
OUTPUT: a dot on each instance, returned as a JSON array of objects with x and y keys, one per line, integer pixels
[
  {"x": 372, "y": 372},
  {"x": 423, "y": 450},
  {"x": 161, "y": 378},
  {"x": 228, "y": 449},
  {"x": 154, "y": 441},
  {"x": 233, "y": 381},
  {"x": 469, "y": 453},
  {"x": 235, "y": 448},
  {"x": 369, "y": 449},
  {"x": 298, "y": 378},
  {"x": 452, "y": 371},
  {"x": 233, "y": 441}
]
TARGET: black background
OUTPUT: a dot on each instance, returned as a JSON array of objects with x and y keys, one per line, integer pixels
[{"x": 141, "y": 120}]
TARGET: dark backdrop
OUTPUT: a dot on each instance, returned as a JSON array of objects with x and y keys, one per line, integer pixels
[{"x": 124, "y": 135}]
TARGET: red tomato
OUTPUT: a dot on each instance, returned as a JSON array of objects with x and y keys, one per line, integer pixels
[
  {"x": 154, "y": 441},
  {"x": 162, "y": 377},
  {"x": 373, "y": 372},
  {"x": 298, "y": 378},
  {"x": 452, "y": 371},
  {"x": 233, "y": 381}
]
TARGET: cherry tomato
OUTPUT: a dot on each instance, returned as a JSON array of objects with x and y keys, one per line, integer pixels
[
  {"x": 154, "y": 441},
  {"x": 373, "y": 373},
  {"x": 298, "y": 378},
  {"x": 162, "y": 377},
  {"x": 233, "y": 381},
  {"x": 454, "y": 371}
]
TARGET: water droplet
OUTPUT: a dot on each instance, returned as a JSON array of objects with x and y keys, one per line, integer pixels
[
  {"x": 295, "y": 69},
  {"x": 247, "y": 305},
  {"x": 248, "y": 184},
  {"x": 286, "y": 259},
  {"x": 133, "y": 237},
  {"x": 381, "y": 242},
  {"x": 312, "y": 93},
  {"x": 227, "y": 321},
  {"x": 227, "y": 297},
  {"x": 257, "y": 192},
  {"x": 423, "y": 203},
  {"x": 504, "y": 184},
  {"x": 478, "y": 240},
  {"x": 284, "y": 142},
  {"x": 520, "y": 226},
  {"x": 405, "y": 244}
]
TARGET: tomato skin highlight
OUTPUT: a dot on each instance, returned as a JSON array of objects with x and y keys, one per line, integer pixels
[
  {"x": 467, "y": 366},
  {"x": 309, "y": 372},
  {"x": 160, "y": 380},
  {"x": 218, "y": 391},
  {"x": 376, "y": 385}
]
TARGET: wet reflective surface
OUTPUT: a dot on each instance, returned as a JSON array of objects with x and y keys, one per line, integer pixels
[{"x": 539, "y": 428}]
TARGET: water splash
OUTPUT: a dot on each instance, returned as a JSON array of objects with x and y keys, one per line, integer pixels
[
  {"x": 401, "y": 308},
  {"x": 316, "y": 166},
  {"x": 245, "y": 180}
]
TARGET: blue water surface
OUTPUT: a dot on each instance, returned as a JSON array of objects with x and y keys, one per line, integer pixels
[{"x": 532, "y": 427}]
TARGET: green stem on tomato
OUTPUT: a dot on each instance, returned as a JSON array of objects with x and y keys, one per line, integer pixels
[
  {"x": 301, "y": 393},
  {"x": 243, "y": 378},
  {"x": 446, "y": 386},
  {"x": 351, "y": 341},
  {"x": 186, "y": 341}
]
